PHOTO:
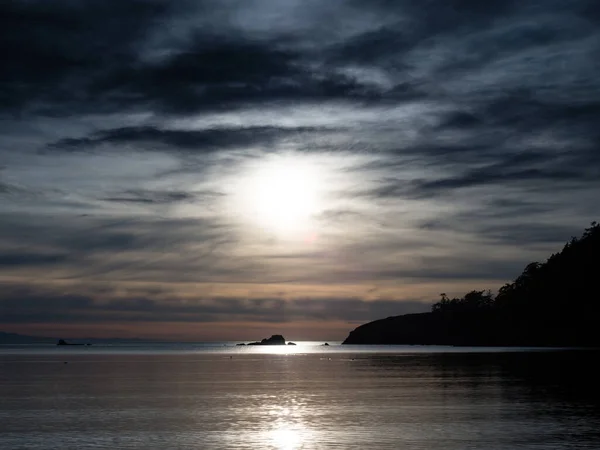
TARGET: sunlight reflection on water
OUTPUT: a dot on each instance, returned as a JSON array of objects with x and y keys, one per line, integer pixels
[
  {"x": 286, "y": 437},
  {"x": 277, "y": 349},
  {"x": 294, "y": 398},
  {"x": 288, "y": 429}
]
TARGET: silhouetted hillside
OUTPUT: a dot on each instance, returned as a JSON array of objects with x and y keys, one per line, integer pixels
[
  {"x": 18, "y": 339},
  {"x": 14, "y": 338},
  {"x": 555, "y": 303}
]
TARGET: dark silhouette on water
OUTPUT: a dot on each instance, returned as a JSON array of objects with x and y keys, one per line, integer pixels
[
  {"x": 550, "y": 304},
  {"x": 63, "y": 342},
  {"x": 276, "y": 339}
]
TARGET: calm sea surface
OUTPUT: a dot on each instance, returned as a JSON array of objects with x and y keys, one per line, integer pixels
[{"x": 304, "y": 397}]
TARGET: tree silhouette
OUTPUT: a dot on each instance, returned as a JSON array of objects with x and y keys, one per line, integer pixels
[{"x": 555, "y": 302}]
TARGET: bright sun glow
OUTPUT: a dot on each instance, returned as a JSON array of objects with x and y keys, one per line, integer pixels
[{"x": 282, "y": 195}]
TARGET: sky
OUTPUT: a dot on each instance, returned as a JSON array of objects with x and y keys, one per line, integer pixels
[{"x": 228, "y": 170}]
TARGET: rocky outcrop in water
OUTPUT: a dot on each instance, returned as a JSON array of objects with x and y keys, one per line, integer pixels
[
  {"x": 276, "y": 339},
  {"x": 63, "y": 342}
]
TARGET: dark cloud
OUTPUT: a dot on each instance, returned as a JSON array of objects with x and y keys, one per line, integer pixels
[
  {"x": 66, "y": 46},
  {"x": 510, "y": 142},
  {"x": 464, "y": 267},
  {"x": 522, "y": 112},
  {"x": 530, "y": 170},
  {"x": 375, "y": 47},
  {"x": 503, "y": 228},
  {"x": 87, "y": 69},
  {"x": 409, "y": 25},
  {"x": 151, "y": 197},
  {"x": 494, "y": 175},
  {"x": 430, "y": 16},
  {"x": 180, "y": 85},
  {"x": 519, "y": 234},
  {"x": 5, "y": 188},
  {"x": 11, "y": 189},
  {"x": 198, "y": 141},
  {"x": 31, "y": 259},
  {"x": 43, "y": 306},
  {"x": 100, "y": 246}
]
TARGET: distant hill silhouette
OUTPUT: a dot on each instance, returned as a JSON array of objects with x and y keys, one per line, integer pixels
[
  {"x": 14, "y": 338},
  {"x": 21, "y": 339},
  {"x": 555, "y": 303}
]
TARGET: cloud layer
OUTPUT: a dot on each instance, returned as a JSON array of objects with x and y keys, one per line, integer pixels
[{"x": 453, "y": 142}]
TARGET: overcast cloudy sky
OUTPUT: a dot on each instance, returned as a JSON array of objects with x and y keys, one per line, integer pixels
[{"x": 233, "y": 169}]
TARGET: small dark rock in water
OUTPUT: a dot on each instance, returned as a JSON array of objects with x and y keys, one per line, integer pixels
[
  {"x": 276, "y": 339},
  {"x": 326, "y": 344},
  {"x": 63, "y": 342},
  {"x": 291, "y": 343}
]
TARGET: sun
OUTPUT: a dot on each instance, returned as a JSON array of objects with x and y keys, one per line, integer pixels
[{"x": 282, "y": 194}]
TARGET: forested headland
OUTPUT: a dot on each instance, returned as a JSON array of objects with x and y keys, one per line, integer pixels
[{"x": 554, "y": 303}]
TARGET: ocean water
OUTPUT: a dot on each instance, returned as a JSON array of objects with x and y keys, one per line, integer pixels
[{"x": 306, "y": 397}]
